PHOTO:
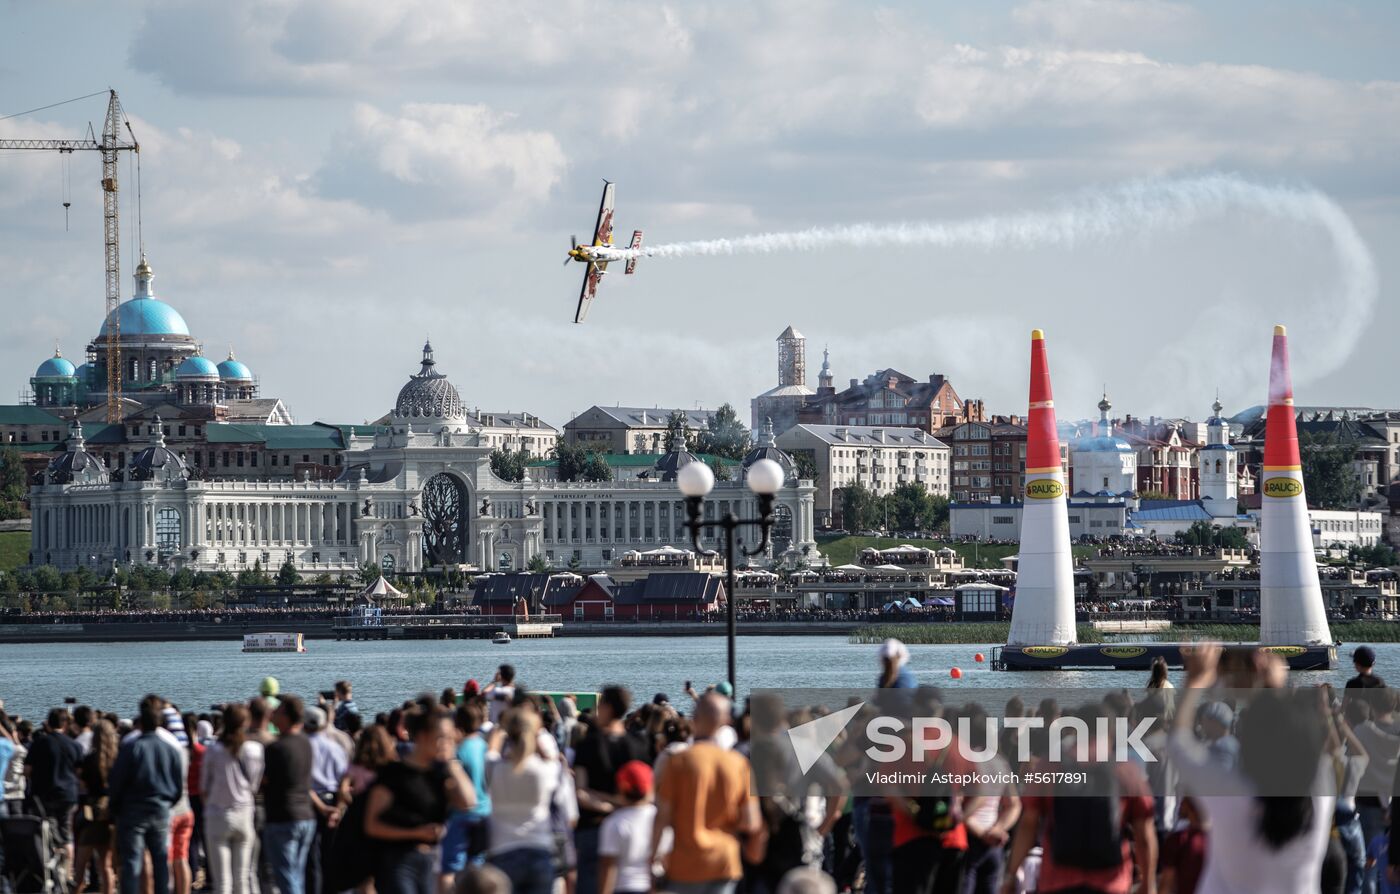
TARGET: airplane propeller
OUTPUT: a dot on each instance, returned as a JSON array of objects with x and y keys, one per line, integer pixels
[{"x": 573, "y": 246}]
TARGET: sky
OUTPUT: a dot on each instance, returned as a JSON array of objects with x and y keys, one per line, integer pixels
[{"x": 325, "y": 184}]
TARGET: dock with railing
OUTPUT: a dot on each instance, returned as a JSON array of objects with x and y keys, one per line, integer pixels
[{"x": 446, "y": 627}]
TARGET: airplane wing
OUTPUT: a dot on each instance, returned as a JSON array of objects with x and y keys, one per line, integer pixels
[
  {"x": 602, "y": 232},
  {"x": 591, "y": 276}
]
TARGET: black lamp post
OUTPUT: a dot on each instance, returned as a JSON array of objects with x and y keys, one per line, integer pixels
[{"x": 695, "y": 481}]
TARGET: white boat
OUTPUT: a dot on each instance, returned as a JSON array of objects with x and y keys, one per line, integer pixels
[
  {"x": 501, "y": 638},
  {"x": 273, "y": 642}
]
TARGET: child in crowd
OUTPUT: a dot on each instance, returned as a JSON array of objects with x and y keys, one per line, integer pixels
[{"x": 624, "y": 840}]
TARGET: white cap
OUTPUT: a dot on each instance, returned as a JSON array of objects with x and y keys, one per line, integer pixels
[{"x": 894, "y": 650}]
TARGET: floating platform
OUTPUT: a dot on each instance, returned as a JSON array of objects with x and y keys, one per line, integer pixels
[
  {"x": 1139, "y": 656},
  {"x": 445, "y": 627},
  {"x": 273, "y": 642}
]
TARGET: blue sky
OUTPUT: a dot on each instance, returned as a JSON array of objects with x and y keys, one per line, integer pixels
[{"x": 326, "y": 183}]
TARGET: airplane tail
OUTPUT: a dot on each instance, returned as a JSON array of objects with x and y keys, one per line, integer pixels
[{"x": 636, "y": 244}]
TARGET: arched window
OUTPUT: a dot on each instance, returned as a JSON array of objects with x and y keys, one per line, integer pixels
[{"x": 168, "y": 530}]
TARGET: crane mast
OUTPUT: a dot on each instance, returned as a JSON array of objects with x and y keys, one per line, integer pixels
[
  {"x": 111, "y": 238},
  {"x": 111, "y": 145}
]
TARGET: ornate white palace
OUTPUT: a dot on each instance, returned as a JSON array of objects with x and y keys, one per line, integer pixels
[{"x": 419, "y": 493}]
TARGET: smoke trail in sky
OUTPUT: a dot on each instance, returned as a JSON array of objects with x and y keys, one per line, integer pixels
[{"x": 1134, "y": 208}]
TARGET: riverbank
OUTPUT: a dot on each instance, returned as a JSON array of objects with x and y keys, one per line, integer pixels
[
  {"x": 944, "y": 633},
  {"x": 936, "y": 634}
]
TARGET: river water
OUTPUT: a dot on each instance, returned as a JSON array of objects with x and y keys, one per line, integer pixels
[{"x": 195, "y": 675}]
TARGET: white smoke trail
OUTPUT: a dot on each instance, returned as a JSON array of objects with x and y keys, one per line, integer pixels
[{"x": 1137, "y": 207}]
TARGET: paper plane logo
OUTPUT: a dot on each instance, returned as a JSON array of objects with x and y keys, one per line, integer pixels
[{"x": 811, "y": 739}]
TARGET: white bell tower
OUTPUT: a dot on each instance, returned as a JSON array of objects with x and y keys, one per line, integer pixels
[{"x": 1219, "y": 470}]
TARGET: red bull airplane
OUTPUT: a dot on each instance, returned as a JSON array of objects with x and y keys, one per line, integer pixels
[{"x": 600, "y": 252}]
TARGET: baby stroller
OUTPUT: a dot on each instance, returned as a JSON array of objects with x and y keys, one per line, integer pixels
[{"x": 33, "y": 861}]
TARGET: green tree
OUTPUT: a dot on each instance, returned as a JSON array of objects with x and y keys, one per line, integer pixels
[
  {"x": 538, "y": 564},
  {"x": 1328, "y": 475},
  {"x": 199, "y": 600},
  {"x": 937, "y": 518},
  {"x": 47, "y": 579},
  {"x": 595, "y": 468},
  {"x": 909, "y": 506},
  {"x": 182, "y": 580},
  {"x": 255, "y": 576},
  {"x": 1204, "y": 533},
  {"x": 720, "y": 468},
  {"x": 1153, "y": 495},
  {"x": 369, "y": 573},
  {"x": 287, "y": 575},
  {"x": 860, "y": 508},
  {"x": 575, "y": 563},
  {"x": 1376, "y": 554},
  {"x": 578, "y": 463},
  {"x": 805, "y": 463},
  {"x": 509, "y": 465},
  {"x": 724, "y": 435},
  {"x": 13, "y": 483}
]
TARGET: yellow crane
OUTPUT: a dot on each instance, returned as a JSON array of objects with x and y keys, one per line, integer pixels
[{"x": 110, "y": 145}]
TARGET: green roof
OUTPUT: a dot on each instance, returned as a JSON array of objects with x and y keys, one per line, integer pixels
[
  {"x": 276, "y": 437},
  {"x": 365, "y": 431},
  {"x": 633, "y": 460},
  {"x": 23, "y": 414}
]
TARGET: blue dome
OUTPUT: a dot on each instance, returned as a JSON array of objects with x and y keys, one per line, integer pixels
[
  {"x": 197, "y": 367},
  {"x": 1104, "y": 444},
  {"x": 83, "y": 373},
  {"x": 148, "y": 316},
  {"x": 234, "y": 371},
  {"x": 55, "y": 367}
]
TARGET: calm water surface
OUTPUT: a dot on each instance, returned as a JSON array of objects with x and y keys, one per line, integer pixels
[{"x": 114, "y": 676}]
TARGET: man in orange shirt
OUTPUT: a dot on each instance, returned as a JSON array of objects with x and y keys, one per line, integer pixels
[{"x": 703, "y": 797}]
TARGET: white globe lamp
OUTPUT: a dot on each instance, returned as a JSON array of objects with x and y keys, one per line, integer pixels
[
  {"x": 766, "y": 477},
  {"x": 695, "y": 479}
]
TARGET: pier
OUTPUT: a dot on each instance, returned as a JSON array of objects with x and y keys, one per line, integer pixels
[{"x": 445, "y": 627}]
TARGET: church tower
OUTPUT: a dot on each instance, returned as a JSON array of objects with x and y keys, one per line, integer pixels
[
  {"x": 825, "y": 385},
  {"x": 792, "y": 358},
  {"x": 1218, "y": 467}
]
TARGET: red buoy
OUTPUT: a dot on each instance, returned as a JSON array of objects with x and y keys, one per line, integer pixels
[
  {"x": 955, "y": 673},
  {"x": 979, "y": 658}
]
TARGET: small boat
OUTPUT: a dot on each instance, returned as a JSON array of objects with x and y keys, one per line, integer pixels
[
  {"x": 273, "y": 642},
  {"x": 501, "y": 638}
]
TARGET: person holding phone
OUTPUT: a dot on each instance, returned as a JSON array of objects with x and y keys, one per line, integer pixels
[{"x": 500, "y": 693}]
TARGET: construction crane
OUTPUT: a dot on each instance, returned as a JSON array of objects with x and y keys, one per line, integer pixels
[{"x": 110, "y": 145}]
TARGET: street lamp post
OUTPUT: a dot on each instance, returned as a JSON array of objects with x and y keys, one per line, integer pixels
[{"x": 695, "y": 481}]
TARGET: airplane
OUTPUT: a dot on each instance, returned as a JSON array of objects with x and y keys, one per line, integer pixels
[{"x": 601, "y": 252}]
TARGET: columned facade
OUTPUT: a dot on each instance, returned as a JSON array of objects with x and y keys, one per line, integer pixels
[{"x": 418, "y": 493}]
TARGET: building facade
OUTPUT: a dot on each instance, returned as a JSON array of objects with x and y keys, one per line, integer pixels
[
  {"x": 415, "y": 493},
  {"x": 989, "y": 459},
  {"x": 874, "y": 457},
  {"x": 628, "y": 429}
]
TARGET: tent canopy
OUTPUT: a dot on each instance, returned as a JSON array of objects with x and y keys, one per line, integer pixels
[{"x": 380, "y": 590}]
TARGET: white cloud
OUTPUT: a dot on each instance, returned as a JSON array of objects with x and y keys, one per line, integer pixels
[
  {"x": 354, "y": 46},
  {"x": 439, "y": 159},
  {"x": 1104, "y": 23}
]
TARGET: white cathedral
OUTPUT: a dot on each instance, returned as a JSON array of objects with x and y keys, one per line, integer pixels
[{"x": 418, "y": 493}]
